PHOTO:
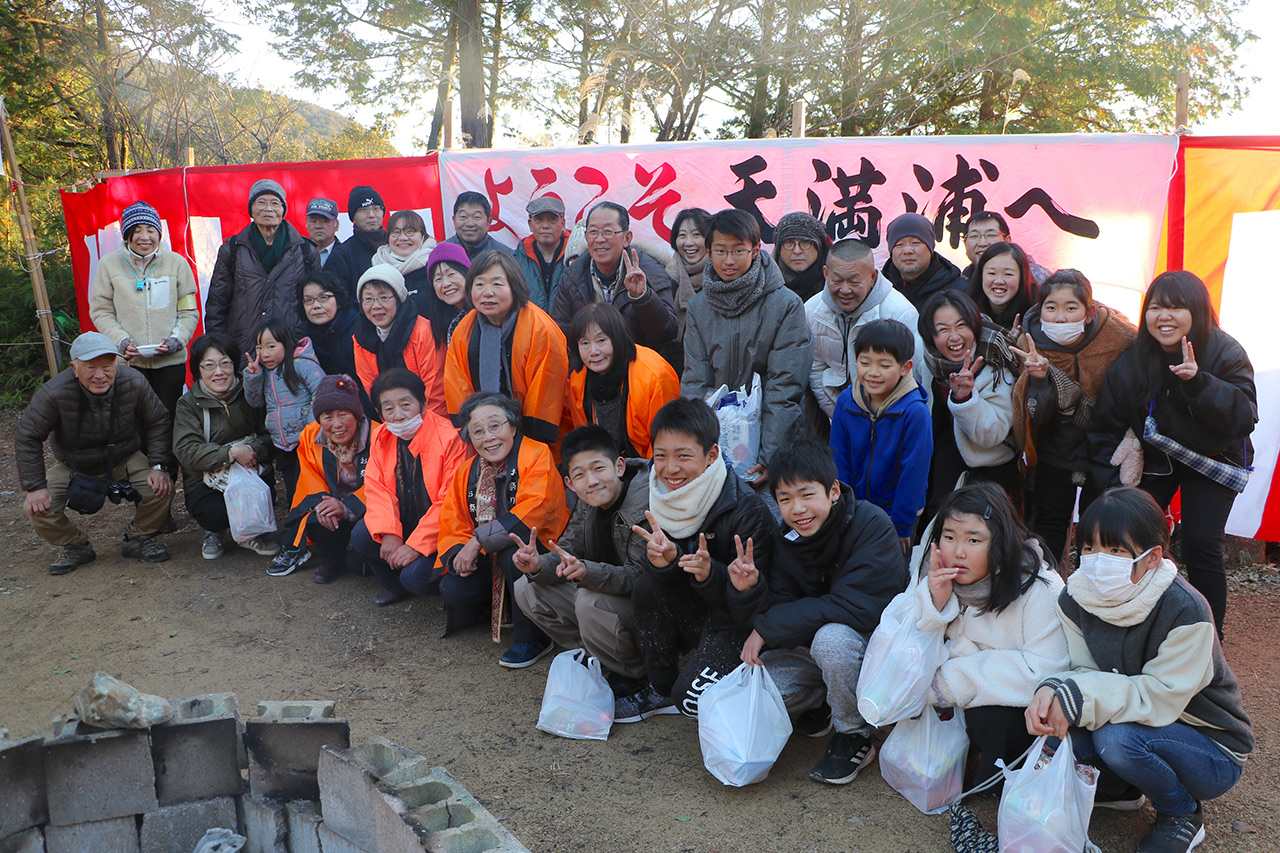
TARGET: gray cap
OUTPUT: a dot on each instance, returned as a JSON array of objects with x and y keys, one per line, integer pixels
[
  {"x": 545, "y": 204},
  {"x": 323, "y": 207},
  {"x": 90, "y": 345}
]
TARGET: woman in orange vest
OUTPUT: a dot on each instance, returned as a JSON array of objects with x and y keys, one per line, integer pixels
[
  {"x": 412, "y": 459},
  {"x": 510, "y": 493},
  {"x": 329, "y": 499},
  {"x": 390, "y": 333},
  {"x": 507, "y": 345},
  {"x": 616, "y": 383}
]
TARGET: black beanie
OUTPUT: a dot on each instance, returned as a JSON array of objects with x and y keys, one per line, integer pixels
[{"x": 362, "y": 197}]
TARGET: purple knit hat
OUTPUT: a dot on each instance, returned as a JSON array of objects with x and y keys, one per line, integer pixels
[
  {"x": 450, "y": 253},
  {"x": 337, "y": 392}
]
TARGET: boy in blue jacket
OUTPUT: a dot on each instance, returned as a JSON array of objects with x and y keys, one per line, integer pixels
[{"x": 881, "y": 433}]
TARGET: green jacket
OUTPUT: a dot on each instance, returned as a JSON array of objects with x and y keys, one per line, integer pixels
[{"x": 229, "y": 420}]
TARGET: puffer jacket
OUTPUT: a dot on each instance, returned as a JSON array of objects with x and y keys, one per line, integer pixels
[
  {"x": 288, "y": 412},
  {"x": 242, "y": 293},
  {"x": 740, "y": 511},
  {"x": 939, "y": 275},
  {"x": 55, "y": 413},
  {"x": 651, "y": 318},
  {"x": 1213, "y": 413},
  {"x": 230, "y": 420},
  {"x": 165, "y": 307},
  {"x": 770, "y": 338},
  {"x": 852, "y": 591},
  {"x": 834, "y": 333}
]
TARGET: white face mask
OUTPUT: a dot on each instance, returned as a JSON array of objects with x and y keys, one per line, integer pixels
[
  {"x": 1064, "y": 334},
  {"x": 406, "y": 429},
  {"x": 1110, "y": 575}
]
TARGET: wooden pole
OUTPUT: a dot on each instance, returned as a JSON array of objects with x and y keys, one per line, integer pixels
[
  {"x": 448, "y": 124},
  {"x": 1181, "y": 103},
  {"x": 797, "y": 119},
  {"x": 43, "y": 313}
]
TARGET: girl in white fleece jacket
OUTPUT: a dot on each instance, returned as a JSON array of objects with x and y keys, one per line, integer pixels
[{"x": 990, "y": 590}]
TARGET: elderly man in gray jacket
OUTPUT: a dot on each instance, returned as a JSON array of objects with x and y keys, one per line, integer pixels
[{"x": 111, "y": 436}]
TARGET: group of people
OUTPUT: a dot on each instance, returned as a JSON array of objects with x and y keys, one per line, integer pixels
[{"x": 526, "y": 434}]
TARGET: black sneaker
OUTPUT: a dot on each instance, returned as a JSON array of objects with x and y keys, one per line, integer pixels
[
  {"x": 287, "y": 561},
  {"x": 144, "y": 548},
  {"x": 72, "y": 557},
  {"x": 1126, "y": 798},
  {"x": 1174, "y": 833},
  {"x": 846, "y": 755},
  {"x": 641, "y": 705},
  {"x": 521, "y": 655},
  {"x": 815, "y": 722}
]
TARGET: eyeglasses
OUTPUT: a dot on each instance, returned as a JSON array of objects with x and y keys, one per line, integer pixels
[
  {"x": 983, "y": 235},
  {"x": 385, "y": 299},
  {"x": 405, "y": 232},
  {"x": 268, "y": 204},
  {"x": 736, "y": 254},
  {"x": 794, "y": 245},
  {"x": 308, "y": 301},
  {"x": 481, "y": 430},
  {"x": 606, "y": 233},
  {"x": 225, "y": 364}
]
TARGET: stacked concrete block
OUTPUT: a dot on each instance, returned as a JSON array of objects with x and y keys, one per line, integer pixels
[
  {"x": 27, "y": 841},
  {"x": 266, "y": 828},
  {"x": 23, "y": 804},
  {"x": 93, "y": 777},
  {"x": 303, "y": 817},
  {"x": 196, "y": 754},
  {"x": 179, "y": 828},
  {"x": 283, "y": 744},
  {"x": 117, "y": 834}
]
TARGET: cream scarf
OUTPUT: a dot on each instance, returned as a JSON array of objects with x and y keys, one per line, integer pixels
[
  {"x": 681, "y": 513},
  {"x": 404, "y": 266},
  {"x": 1146, "y": 592}
]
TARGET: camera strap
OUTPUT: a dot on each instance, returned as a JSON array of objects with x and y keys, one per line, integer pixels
[{"x": 113, "y": 411}]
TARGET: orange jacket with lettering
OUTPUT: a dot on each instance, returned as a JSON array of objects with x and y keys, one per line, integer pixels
[
  {"x": 420, "y": 355},
  {"x": 537, "y": 360},
  {"x": 439, "y": 450},
  {"x": 651, "y": 384},
  {"x": 530, "y": 494}
]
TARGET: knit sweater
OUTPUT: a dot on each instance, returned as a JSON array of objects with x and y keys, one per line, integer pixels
[{"x": 165, "y": 307}]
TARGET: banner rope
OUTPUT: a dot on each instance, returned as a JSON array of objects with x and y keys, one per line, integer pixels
[{"x": 13, "y": 182}]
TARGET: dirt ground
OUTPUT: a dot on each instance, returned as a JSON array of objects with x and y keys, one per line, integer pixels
[{"x": 191, "y": 626}]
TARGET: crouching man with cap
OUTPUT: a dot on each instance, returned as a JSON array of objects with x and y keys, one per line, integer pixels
[{"x": 98, "y": 416}]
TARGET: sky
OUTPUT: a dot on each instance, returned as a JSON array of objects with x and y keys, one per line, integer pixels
[{"x": 258, "y": 63}]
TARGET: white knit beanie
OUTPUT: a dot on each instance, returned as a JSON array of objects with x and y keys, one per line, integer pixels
[{"x": 383, "y": 274}]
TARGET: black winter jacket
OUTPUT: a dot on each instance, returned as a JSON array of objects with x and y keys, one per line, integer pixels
[
  {"x": 1212, "y": 413},
  {"x": 940, "y": 275},
  {"x": 350, "y": 260},
  {"x": 804, "y": 596},
  {"x": 740, "y": 511}
]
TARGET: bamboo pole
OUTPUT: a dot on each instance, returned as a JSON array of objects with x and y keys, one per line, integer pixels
[
  {"x": 43, "y": 313},
  {"x": 1182, "y": 102}
]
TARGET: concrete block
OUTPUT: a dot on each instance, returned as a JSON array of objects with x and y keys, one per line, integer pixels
[
  {"x": 333, "y": 842},
  {"x": 303, "y": 817},
  {"x": 99, "y": 776},
  {"x": 283, "y": 743},
  {"x": 349, "y": 792},
  {"x": 179, "y": 828},
  {"x": 449, "y": 819},
  {"x": 28, "y": 841},
  {"x": 119, "y": 835},
  {"x": 22, "y": 791},
  {"x": 196, "y": 753},
  {"x": 266, "y": 829}
]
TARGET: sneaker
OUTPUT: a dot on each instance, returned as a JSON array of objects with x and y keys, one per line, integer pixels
[
  {"x": 521, "y": 655},
  {"x": 641, "y": 705},
  {"x": 387, "y": 597},
  {"x": 261, "y": 545},
  {"x": 1126, "y": 798},
  {"x": 846, "y": 755},
  {"x": 287, "y": 560},
  {"x": 816, "y": 722},
  {"x": 144, "y": 548},
  {"x": 1174, "y": 833},
  {"x": 211, "y": 546},
  {"x": 72, "y": 557}
]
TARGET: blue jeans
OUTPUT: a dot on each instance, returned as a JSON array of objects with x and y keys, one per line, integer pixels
[
  {"x": 417, "y": 577},
  {"x": 1175, "y": 766}
]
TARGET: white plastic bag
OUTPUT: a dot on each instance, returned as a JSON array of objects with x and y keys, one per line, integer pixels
[
  {"x": 577, "y": 702},
  {"x": 739, "y": 414},
  {"x": 1046, "y": 804},
  {"x": 742, "y": 726},
  {"x": 899, "y": 664},
  {"x": 249, "y": 507},
  {"x": 923, "y": 760}
]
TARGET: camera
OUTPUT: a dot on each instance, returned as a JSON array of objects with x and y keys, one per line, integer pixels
[{"x": 123, "y": 491}]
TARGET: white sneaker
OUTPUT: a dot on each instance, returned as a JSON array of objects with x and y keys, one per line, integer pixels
[
  {"x": 261, "y": 545},
  {"x": 211, "y": 546}
]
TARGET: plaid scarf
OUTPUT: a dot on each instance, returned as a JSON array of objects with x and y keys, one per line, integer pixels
[
  {"x": 991, "y": 345},
  {"x": 1222, "y": 473}
]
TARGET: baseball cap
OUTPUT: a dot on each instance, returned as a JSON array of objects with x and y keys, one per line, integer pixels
[
  {"x": 90, "y": 345},
  {"x": 323, "y": 207}
]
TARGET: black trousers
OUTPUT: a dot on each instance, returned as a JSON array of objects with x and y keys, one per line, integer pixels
[
  {"x": 207, "y": 506},
  {"x": 1205, "y": 507},
  {"x": 469, "y": 600},
  {"x": 995, "y": 731},
  {"x": 671, "y": 618},
  {"x": 1051, "y": 502},
  {"x": 168, "y": 383}
]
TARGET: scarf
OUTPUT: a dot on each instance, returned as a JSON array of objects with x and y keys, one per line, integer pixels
[
  {"x": 372, "y": 239},
  {"x": 733, "y": 298},
  {"x": 494, "y": 367},
  {"x": 411, "y": 491},
  {"x": 1146, "y": 592},
  {"x": 681, "y": 513},
  {"x": 687, "y": 278},
  {"x": 415, "y": 261},
  {"x": 602, "y": 284},
  {"x": 269, "y": 255},
  {"x": 991, "y": 345},
  {"x": 974, "y": 595},
  {"x": 389, "y": 346},
  {"x": 207, "y": 391},
  {"x": 606, "y": 386},
  {"x": 345, "y": 454},
  {"x": 805, "y": 283},
  {"x": 822, "y": 549},
  {"x": 486, "y": 492}
]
